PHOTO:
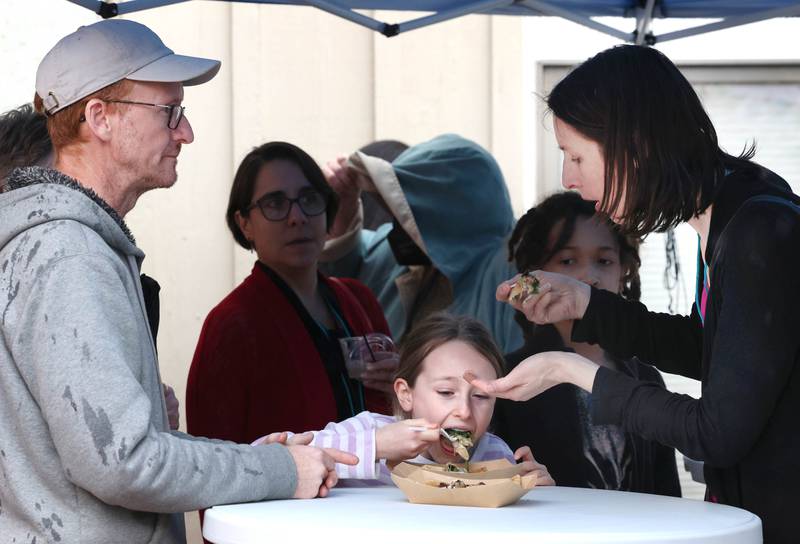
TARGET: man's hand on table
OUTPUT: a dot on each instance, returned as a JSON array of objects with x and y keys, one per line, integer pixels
[{"x": 316, "y": 471}]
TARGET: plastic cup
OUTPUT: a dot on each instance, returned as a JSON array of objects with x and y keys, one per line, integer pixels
[{"x": 360, "y": 350}]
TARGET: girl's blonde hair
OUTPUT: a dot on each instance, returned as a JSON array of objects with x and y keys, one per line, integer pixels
[{"x": 438, "y": 329}]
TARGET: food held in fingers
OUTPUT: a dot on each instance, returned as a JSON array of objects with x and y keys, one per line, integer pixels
[{"x": 526, "y": 285}]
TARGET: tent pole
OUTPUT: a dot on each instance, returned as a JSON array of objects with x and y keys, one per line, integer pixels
[
  {"x": 730, "y": 22},
  {"x": 643, "y": 20},
  {"x": 357, "y": 18},
  {"x": 139, "y": 5},
  {"x": 550, "y": 9},
  {"x": 93, "y": 5},
  {"x": 474, "y": 7}
]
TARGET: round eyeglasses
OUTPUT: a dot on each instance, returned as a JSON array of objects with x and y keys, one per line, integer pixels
[
  {"x": 278, "y": 206},
  {"x": 175, "y": 112}
]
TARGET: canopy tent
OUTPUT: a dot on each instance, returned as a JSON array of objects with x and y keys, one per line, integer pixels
[{"x": 729, "y": 12}]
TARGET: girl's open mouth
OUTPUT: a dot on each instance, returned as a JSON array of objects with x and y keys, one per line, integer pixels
[{"x": 447, "y": 447}]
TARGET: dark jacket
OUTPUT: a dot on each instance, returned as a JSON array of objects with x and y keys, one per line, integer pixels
[
  {"x": 746, "y": 354},
  {"x": 558, "y": 428}
]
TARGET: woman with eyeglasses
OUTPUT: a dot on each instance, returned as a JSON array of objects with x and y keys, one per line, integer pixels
[{"x": 268, "y": 357}]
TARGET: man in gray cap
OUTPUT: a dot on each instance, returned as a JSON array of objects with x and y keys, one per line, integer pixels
[{"x": 86, "y": 454}]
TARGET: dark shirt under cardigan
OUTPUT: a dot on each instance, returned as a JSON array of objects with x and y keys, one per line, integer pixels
[
  {"x": 558, "y": 427},
  {"x": 746, "y": 426}
]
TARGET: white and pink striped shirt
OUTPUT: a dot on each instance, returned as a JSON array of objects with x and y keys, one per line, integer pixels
[{"x": 356, "y": 435}]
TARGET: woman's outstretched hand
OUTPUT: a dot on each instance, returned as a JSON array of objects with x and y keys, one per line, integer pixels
[
  {"x": 537, "y": 374},
  {"x": 559, "y": 298}
]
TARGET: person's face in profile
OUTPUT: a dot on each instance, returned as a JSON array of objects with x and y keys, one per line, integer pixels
[
  {"x": 287, "y": 226},
  {"x": 584, "y": 165},
  {"x": 143, "y": 145}
]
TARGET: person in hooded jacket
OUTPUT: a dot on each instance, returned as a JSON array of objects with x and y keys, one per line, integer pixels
[{"x": 445, "y": 247}]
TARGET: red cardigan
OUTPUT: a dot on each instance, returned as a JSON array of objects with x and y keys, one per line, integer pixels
[{"x": 256, "y": 369}]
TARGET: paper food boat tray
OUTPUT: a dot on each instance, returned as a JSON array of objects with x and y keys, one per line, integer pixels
[{"x": 502, "y": 484}]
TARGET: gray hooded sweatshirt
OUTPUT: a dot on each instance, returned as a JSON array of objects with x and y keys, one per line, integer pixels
[{"x": 85, "y": 451}]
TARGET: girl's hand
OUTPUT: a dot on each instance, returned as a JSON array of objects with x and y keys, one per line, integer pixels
[
  {"x": 302, "y": 439},
  {"x": 400, "y": 441},
  {"x": 379, "y": 373},
  {"x": 537, "y": 374},
  {"x": 559, "y": 298},
  {"x": 531, "y": 466}
]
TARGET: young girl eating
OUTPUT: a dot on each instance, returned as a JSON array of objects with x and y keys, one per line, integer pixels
[{"x": 430, "y": 395}]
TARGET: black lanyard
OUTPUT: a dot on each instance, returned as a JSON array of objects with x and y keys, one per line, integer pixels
[
  {"x": 346, "y": 391},
  {"x": 333, "y": 339}
]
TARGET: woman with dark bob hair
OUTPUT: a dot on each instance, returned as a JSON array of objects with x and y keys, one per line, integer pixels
[
  {"x": 268, "y": 357},
  {"x": 637, "y": 140}
]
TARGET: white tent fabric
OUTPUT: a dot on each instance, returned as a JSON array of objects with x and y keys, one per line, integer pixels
[{"x": 729, "y": 12}]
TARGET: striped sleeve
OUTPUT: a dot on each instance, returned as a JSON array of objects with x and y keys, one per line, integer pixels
[{"x": 355, "y": 435}]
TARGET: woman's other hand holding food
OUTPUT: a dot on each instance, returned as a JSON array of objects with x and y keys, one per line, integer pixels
[{"x": 559, "y": 297}]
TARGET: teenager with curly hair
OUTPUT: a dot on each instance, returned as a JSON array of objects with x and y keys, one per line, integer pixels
[{"x": 564, "y": 234}]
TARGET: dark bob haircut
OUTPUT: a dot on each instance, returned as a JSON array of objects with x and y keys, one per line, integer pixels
[
  {"x": 245, "y": 179},
  {"x": 657, "y": 139}
]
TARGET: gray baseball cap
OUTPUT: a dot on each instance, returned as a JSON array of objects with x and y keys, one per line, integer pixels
[{"x": 97, "y": 55}]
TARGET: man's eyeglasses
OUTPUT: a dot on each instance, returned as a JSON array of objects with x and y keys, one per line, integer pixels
[
  {"x": 277, "y": 206},
  {"x": 175, "y": 112}
]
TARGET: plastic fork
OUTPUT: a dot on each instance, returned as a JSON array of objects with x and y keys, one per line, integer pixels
[
  {"x": 446, "y": 435},
  {"x": 441, "y": 432}
]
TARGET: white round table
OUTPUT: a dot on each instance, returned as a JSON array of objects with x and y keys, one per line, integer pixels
[{"x": 382, "y": 515}]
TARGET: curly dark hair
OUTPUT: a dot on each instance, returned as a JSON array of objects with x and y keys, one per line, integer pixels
[
  {"x": 23, "y": 139},
  {"x": 529, "y": 246}
]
